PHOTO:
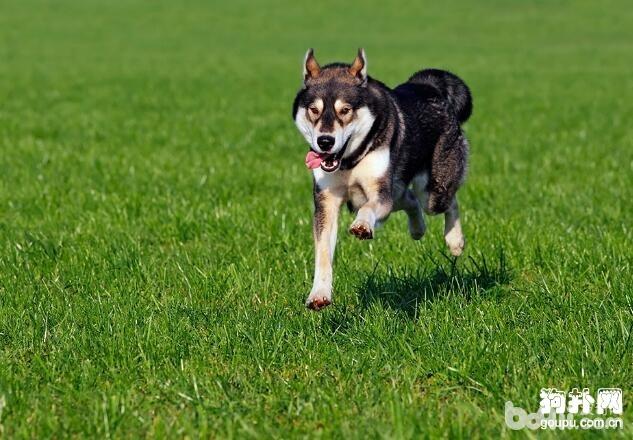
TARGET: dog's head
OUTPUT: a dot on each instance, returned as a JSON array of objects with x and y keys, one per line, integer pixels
[{"x": 331, "y": 109}]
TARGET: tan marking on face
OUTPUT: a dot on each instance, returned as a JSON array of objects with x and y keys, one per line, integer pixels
[
  {"x": 314, "y": 110},
  {"x": 344, "y": 111}
]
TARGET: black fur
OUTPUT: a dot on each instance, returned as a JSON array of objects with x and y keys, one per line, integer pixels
[
  {"x": 434, "y": 103},
  {"x": 452, "y": 88}
]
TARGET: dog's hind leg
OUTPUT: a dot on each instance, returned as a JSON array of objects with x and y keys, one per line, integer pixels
[
  {"x": 453, "y": 234},
  {"x": 453, "y": 230},
  {"x": 419, "y": 188},
  {"x": 327, "y": 204},
  {"x": 409, "y": 203},
  {"x": 447, "y": 173}
]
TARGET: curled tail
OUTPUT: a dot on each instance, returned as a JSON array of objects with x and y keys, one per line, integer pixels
[{"x": 454, "y": 90}]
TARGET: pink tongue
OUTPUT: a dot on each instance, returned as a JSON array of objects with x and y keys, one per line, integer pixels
[{"x": 313, "y": 160}]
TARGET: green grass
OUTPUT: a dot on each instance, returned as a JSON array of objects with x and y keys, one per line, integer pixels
[{"x": 155, "y": 219}]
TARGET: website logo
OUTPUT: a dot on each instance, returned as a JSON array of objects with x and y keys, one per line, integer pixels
[{"x": 561, "y": 410}]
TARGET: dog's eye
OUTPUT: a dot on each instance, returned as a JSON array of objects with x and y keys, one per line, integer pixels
[
  {"x": 344, "y": 111},
  {"x": 314, "y": 110}
]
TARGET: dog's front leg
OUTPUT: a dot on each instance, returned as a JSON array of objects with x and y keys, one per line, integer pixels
[
  {"x": 327, "y": 204},
  {"x": 377, "y": 208}
]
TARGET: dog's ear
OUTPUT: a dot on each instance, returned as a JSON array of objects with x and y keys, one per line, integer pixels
[
  {"x": 358, "y": 69},
  {"x": 311, "y": 68}
]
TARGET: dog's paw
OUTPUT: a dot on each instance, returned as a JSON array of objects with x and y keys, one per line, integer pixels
[
  {"x": 456, "y": 243},
  {"x": 361, "y": 230},
  {"x": 417, "y": 228},
  {"x": 318, "y": 300}
]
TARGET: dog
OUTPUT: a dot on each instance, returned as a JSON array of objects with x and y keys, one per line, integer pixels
[{"x": 380, "y": 150}]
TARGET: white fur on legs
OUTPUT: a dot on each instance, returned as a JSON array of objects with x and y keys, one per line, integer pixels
[
  {"x": 368, "y": 216},
  {"x": 363, "y": 225},
  {"x": 453, "y": 230},
  {"x": 325, "y": 231},
  {"x": 321, "y": 292}
]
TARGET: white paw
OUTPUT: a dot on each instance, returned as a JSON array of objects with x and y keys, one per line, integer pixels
[
  {"x": 319, "y": 299},
  {"x": 455, "y": 242},
  {"x": 362, "y": 230}
]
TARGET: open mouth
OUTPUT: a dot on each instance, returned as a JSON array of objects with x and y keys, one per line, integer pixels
[{"x": 328, "y": 162}]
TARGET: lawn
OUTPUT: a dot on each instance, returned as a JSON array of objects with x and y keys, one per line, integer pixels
[{"x": 155, "y": 221}]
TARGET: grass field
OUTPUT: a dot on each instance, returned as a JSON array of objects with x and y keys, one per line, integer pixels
[{"x": 155, "y": 220}]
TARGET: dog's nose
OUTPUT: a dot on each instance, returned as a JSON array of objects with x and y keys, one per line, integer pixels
[{"x": 325, "y": 143}]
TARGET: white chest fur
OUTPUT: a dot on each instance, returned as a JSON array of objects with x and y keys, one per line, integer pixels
[{"x": 371, "y": 168}]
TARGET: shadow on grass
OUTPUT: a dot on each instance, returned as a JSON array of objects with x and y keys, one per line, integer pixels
[{"x": 406, "y": 291}]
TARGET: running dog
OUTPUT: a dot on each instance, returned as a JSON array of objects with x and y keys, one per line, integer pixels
[{"x": 380, "y": 150}]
